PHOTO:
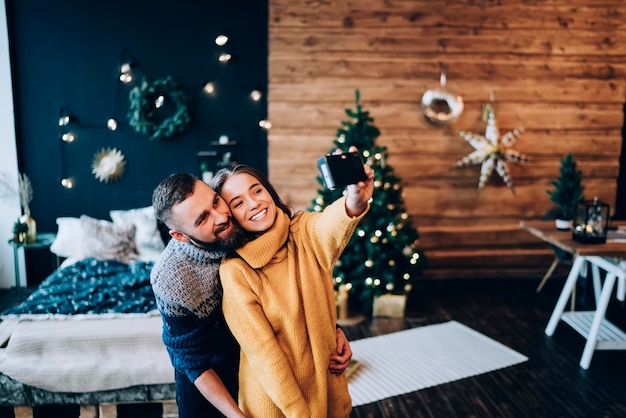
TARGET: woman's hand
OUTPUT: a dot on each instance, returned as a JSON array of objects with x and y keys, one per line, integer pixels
[{"x": 339, "y": 362}]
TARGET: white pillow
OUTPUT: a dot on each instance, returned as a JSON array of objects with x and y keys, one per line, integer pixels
[
  {"x": 147, "y": 237},
  {"x": 67, "y": 242},
  {"x": 106, "y": 240}
]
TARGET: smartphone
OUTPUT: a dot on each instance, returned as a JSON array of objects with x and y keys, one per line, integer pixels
[{"x": 339, "y": 170}]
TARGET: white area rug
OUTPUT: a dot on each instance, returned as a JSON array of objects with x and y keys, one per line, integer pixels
[{"x": 419, "y": 358}]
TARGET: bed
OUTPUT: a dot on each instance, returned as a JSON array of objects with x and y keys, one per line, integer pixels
[{"x": 90, "y": 334}]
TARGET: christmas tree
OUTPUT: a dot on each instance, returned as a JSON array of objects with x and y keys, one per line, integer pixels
[
  {"x": 381, "y": 256},
  {"x": 568, "y": 188}
]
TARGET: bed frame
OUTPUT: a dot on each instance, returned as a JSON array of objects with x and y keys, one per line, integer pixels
[{"x": 24, "y": 398}]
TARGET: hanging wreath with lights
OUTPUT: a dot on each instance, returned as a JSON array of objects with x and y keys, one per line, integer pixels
[{"x": 149, "y": 100}]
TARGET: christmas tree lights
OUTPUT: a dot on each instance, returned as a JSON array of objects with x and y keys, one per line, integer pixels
[{"x": 382, "y": 255}]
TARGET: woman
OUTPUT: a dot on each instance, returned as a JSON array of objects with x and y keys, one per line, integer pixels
[{"x": 279, "y": 298}]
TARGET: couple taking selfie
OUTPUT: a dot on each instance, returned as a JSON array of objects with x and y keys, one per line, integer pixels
[{"x": 245, "y": 291}]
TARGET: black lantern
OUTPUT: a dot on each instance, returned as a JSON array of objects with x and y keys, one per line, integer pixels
[{"x": 591, "y": 222}]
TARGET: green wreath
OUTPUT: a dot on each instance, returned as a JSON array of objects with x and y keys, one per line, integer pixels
[{"x": 141, "y": 114}]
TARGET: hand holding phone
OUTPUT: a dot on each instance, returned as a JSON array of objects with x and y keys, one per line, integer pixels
[{"x": 340, "y": 170}]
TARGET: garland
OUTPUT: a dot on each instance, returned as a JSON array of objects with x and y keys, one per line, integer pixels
[{"x": 141, "y": 114}]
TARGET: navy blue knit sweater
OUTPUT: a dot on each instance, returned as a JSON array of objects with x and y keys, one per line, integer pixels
[{"x": 188, "y": 294}]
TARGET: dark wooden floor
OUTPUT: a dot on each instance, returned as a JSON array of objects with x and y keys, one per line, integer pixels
[{"x": 550, "y": 384}]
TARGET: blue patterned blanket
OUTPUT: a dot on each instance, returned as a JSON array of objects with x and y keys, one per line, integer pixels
[{"x": 91, "y": 286}]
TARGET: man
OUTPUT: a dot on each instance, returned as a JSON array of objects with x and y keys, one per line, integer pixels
[
  {"x": 185, "y": 281},
  {"x": 203, "y": 352}
]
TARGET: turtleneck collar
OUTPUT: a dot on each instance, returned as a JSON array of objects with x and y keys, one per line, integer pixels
[
  {"x": 260, "y": 251},
  {"x": 197, "y": 254}
]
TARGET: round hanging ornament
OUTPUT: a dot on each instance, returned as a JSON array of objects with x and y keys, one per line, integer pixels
[{"x": 440, "y": 106}]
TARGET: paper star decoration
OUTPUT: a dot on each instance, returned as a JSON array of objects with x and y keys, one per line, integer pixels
[
  {"x": 492, "y": 150},
  {"x": 108, "y": 164}
]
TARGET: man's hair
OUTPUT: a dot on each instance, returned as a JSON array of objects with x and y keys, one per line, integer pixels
[
  {"x": 170, "y": 192},
  {"x": 217, "y": 182}
]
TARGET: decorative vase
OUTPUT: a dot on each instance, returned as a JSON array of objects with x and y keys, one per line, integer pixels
[
  {"x": 31, "y": 235},
  {"x": 563, "y": 224}
]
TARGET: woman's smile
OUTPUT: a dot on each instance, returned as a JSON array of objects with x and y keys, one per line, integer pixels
[{"x": 259, "y": 215}]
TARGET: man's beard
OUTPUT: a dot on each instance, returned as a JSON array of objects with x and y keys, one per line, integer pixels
[{"x": 236, "y": 238}]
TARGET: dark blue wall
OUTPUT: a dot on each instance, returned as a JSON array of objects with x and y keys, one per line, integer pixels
[{"x": 67, "y": 54}]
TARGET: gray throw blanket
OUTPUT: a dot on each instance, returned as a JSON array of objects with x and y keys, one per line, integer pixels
[{"x": 83, "y": 353}]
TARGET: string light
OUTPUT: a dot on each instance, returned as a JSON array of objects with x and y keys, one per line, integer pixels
[
  {"x": 64, "y": 119},
  {"x": 125, "y": 73},
  {"x": 209, "y": 88},
  {"x": 159, "y": 101},
  {"x": 68, "y": 137},
  {"x": 255, "y": 95},
  {"x": 67, "y": 183},
  {"x": 112, "y": 124},
  {"x": 221, "y": 40}
]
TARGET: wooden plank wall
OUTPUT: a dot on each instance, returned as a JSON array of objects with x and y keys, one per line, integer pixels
[{"x": 556, "y": 66}]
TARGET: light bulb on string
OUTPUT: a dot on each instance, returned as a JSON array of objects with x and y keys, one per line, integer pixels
[
  {"x": 255, "y": 95},
  {"x": 224, "y": 57},
  {"x": 68, "y": 137},
  {"x": 209, "y": 88},
  {"x": 126, "y": 78},
  {"x": 125, "y": 73},
  {"x": 158, "y": 102},
  {"x": 221, "y": 40},
  {"x": 112, "y": 124},
  {"x": 67, "y": 183}
]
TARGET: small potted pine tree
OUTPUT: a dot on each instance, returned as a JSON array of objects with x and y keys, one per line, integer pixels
[{"x": 567, "y": 192}]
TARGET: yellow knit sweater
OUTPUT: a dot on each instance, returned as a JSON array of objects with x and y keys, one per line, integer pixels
[{"x": 280, "y": 305}]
